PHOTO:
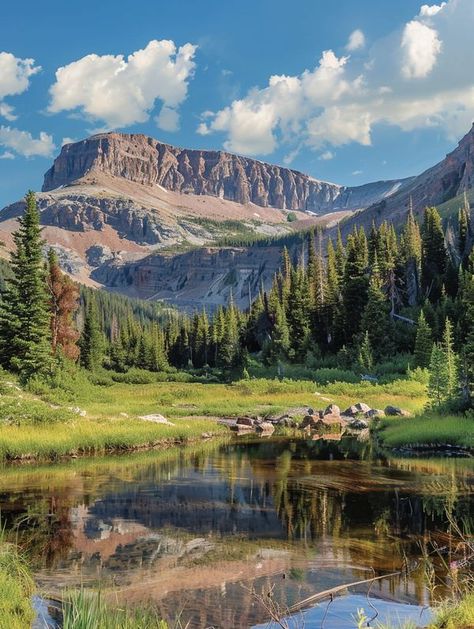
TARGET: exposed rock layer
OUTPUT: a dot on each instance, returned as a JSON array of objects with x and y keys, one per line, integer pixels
[{"x": 146, "y": 161}]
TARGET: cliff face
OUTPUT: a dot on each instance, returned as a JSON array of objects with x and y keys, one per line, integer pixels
[
  {"x": 141, "y": 159},
  {"x": 208, "y": 275}
]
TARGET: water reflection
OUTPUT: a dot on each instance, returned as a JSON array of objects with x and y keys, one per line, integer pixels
[{"x": 196, "y": 530}]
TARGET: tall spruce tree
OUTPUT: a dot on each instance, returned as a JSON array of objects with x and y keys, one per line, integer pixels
[
  {"x": 434, "y": 256},
  {"x": 423, "y": 343},
  {"x": 438, "y": 384},
  {"x": 25, "y": 336},
  {"x": 92, "y": 339}
]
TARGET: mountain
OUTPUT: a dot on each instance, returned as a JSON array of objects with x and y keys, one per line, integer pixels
[
  {"x": 145, "y": 161},
  {"x": 145, "y": 218},
  {"x": 448, "y": 179}
]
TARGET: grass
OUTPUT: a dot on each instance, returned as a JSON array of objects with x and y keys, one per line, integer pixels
[
  {"x": 47, "y": 424},
  {"x": 427, "y": 431},
  {"x": 16, "y": 588},
  {"x": 87, "y": 610},
  {"x": 84, "y": 436},
  {"x": 456, "y": 615},
  {"x": 259, "y": 396}
]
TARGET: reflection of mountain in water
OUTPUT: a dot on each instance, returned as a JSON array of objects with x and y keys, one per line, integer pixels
[
  {"x": 194, "y": 530},
  {"x": 196, "y": 504}
]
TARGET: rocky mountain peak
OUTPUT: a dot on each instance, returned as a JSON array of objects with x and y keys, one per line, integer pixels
[{"x": 144, "y": 160}]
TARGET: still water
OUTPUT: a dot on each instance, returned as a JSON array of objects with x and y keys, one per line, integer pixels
[{"x": 203, "y": 532}]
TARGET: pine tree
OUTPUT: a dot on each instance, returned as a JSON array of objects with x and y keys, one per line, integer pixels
[
  {"x": 438, "y": 385},
  {"x": 451, "y": 360},
  {"x": 24, "y": 313},
  {"x": 92, "y": 340},
  {"x": 366, "y": 358},
  {"x": 355, "y": 284},
  {"x": 423, "y": 343},
  {"x": 375, "y": 319},
  {"x": 434, "y": 256},
  {"x": 297, "y": 314},
  {"x": 64, "y": 302}
]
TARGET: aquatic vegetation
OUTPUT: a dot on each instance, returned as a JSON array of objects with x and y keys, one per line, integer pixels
[
  {"x": 16, "y": 587},
  {"x": 88, "y": 610}
]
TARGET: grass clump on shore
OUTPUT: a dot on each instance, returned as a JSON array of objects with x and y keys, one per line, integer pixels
[
  {"x": 16, "y": 588},
  {"x": 88, "y": 610},
  {"x": 84, "y": 436},
  {"x": 427, "y": 431}
]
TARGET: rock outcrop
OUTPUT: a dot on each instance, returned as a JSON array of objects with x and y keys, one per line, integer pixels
[{"x": 144, "y": 160}]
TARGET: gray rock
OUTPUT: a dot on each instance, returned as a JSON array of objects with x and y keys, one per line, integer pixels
[
  {"x": 351, "y": 411},
  {"x": 156, "y": 419},
  {"x": 332, "y": 410},
  {"x": 245, "y": 421},
  {"x": 265, "y": 428},
  {"x": 362, "y": 407},
  {"x": 358, "y": 424},
  {"x": 374, "y": 412},
  {"x": 396, "y": 411}
]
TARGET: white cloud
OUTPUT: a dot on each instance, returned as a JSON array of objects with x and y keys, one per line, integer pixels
[
  {"x": 428, "y": 10},
  {"x": 356, "y": 173},
  {"x": 7, "y": 155},
  {"x": 15, "y": 76},
  {"x": 121, "y": 91},
  {"x": 356, "y": 40},
  {"x": 167, "y": 119},
  {"x": 421, "y": 47},
  {"x": 417, "y": 77},
  {"x": 326, "y": 156},
  {"x": 23, "y": 143},
  {"x": 67, "y": 140}
]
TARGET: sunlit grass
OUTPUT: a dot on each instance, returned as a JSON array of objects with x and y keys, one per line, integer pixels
[
  {"x": 427, "y": 431},
  {"x": 16, "y": 588},
  {"x": 84, "y": 436}
]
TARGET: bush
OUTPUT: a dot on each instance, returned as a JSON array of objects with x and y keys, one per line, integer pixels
[{"x": 328, "y": 375}]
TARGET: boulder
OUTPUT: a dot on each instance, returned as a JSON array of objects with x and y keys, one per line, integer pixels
[
  {"x": 265, "y": 428},
  {"x": 309, "y": 421},
  {"x": 351, "y": 411},
  {"x": 242, "y": 429},
  {"x": 373, "y": 413},
  {"x": 358, "y": 424},
  {"x": 245, "y": 421},
  {"x": 396, "y": 411},
  {"x": 286, "y": 422},
  {"x": 362, "y": 408},
  {"x": 332, "y": 410},
  {"x": 156, "y": 419}
]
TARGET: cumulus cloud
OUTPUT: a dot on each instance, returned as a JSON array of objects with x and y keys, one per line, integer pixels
[
  {"x": 23, "y": 143},
  {"x": 7, "y": 155},
  {"x": 356, "y": 40},
  {"x": 15, "y": 76},
  {"x": 421, "y": 46},
  {"x": 416, "y": 77},
  {"x": 326, "y": 156},
  {"x": 167, "y": 119},
  {"x": 122, "y": 91},
  {"x": 428, "y": 10}
]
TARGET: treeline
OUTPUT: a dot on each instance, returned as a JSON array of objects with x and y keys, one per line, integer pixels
[{"x": 357, "y": 303}]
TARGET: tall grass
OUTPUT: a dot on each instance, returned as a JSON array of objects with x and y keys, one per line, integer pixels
[
  {"x": 428, "y": 431},
  {"x": 16, "y": 587},
  {"x": 88, "y": 610},
  {"x": 85, "y": 436}
]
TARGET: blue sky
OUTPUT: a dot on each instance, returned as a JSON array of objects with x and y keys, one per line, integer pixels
[{"x": 385, "y": 103}]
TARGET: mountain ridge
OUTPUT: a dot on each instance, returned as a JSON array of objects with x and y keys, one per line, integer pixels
[{"x": 144, "y": 160}]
